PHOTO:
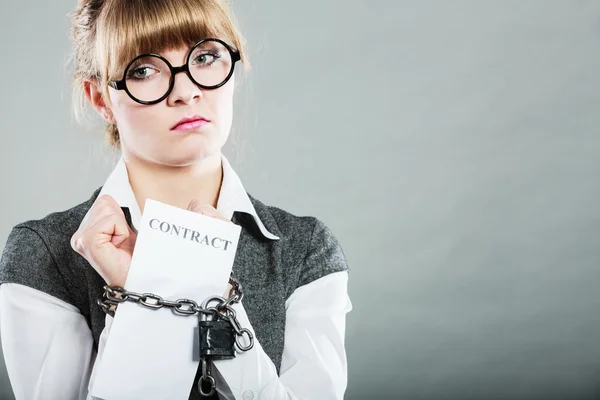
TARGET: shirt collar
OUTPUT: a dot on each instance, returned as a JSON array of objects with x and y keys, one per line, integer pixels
[{"x": 232, "y": 196}]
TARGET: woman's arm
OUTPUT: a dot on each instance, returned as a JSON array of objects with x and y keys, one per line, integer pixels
[
  {"x": 47, "y": 345},
  {"x": 313, "y": 364}
]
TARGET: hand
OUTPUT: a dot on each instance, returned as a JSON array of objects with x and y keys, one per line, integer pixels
[
  {"x": 106, "y": 241},
  {"x": 210, "y": 211}
]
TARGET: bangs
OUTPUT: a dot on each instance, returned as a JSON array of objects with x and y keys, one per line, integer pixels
[{"x": 128, "y": 28}]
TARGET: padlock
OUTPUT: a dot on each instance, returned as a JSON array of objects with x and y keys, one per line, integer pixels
[{"x": 217, "y": 337}]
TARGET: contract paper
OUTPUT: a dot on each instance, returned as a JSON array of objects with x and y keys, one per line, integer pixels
[{"x": 149, "y": 354}]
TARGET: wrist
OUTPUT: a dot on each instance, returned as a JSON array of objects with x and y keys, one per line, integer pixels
[{"x": 116, "y": 281}]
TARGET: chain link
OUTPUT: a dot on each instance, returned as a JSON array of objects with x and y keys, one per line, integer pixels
[{"x": 115, "y": 295}]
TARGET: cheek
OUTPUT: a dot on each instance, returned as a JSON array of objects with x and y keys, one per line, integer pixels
[
  {"x": 131, "y": 116},
  {"x": 136, "y": 120},
  {"x": 223, "y": 105}
]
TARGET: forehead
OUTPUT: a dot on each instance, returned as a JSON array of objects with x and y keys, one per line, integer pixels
[
  {"x": 179, "y": 55},
  {"x": 210, "y": 44},
  {"x": 162, "y": 27}
]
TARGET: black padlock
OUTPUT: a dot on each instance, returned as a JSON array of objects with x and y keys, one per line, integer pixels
[{"x": 217, "y": 339}]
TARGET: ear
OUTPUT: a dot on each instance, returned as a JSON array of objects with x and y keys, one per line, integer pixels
[{"x": 96, "y": 98}]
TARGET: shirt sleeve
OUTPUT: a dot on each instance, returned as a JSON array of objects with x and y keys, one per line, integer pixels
[
  {"x": 47, "y": 345},
  {"x": 314, "y": 361},
  {"x": 314, "y": 364}
]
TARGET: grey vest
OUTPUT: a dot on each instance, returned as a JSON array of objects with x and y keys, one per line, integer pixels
[{"x": 38, "y": 254}]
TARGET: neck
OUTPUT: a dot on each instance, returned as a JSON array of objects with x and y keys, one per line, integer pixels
[{"x": 175, "y": 185}]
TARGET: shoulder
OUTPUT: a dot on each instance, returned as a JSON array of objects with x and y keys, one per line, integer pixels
[
  {"x": 62, "y": 222},
  {"x": 312, "y": 244},
  {"x": 37, "y": 252},
  {"x": 283, "y": 223},
  {"x": 54, "y": 228}
]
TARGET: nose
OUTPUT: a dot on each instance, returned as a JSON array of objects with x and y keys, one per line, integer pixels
[{"x": 184, "y": 91}]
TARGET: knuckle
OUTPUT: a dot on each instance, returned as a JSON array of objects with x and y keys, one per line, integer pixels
[
  {"x": 196, "y": 206},
  {"x": 106, "y": 208},
  {"x": 100, "y": 201},
  {"x": 105, "y": 198},
  {"x": 77, "y": 243},
  {"x": 105, "y": 201}
]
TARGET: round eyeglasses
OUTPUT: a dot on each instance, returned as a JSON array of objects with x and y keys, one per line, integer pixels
[{"x": 149, "y": 78}]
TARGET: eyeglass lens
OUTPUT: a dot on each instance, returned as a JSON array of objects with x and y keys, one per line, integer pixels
[{"x": 149, "y": 77}]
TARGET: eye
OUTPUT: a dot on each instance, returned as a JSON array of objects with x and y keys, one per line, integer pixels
[
  {"x": 206, "y": 59},
  {"x": 142, "y": 72}
]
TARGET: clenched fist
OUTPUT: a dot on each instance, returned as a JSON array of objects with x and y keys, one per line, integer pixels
[{"x": 106, "y": 241}]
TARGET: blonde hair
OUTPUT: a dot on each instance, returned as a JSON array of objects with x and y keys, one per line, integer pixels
[{"x": 108, "y": 34}]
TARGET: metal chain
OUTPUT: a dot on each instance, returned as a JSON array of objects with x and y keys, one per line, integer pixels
[{"x": 115, "y": 295}]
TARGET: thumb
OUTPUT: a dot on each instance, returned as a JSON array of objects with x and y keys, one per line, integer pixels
[
  {"x": 195, "y": 206},
  {"x": 122, "y": 233},
  {"x": 205, "y": 209},
  {"x": 131, "y": 239}
]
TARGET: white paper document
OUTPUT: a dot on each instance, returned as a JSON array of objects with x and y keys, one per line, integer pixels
[{"x": 178, "y": 254}]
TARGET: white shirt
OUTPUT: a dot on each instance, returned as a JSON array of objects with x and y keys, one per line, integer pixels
[{"x": 48, "y": 346}]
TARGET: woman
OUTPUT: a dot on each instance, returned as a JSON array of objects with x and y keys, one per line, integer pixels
[{"x": 165, "y": 91}]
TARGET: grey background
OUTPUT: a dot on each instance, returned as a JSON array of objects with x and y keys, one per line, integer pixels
[{"x": 452, "y": 146}]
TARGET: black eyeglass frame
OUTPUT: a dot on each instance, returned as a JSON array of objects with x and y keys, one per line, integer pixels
[{"x": 121, "y": 85}]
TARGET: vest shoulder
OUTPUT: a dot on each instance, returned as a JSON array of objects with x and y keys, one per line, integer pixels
[
  {"x": 60, "y": 223},
  {"x": 284, "y": 223},
  {"x": 38, "y": 254},
  {"x": 308, "y": 241}
]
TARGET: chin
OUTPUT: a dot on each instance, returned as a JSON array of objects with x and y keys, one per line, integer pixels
[{"x": 185, "y": 156}]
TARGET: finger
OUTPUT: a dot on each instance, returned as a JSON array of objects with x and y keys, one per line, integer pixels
[
  {"x": 195, "y": 205},
  {"x": 93, "y": 224},
  {"x": 98, "y": 212},
  {"x": 103, "y": 206},
  {"x": 106, "y": 199},
  {"x": 83, "y": 239},
  {"x": 112, "y": 228},
  {"x": 206, "y": 209},
  {"x": 131, "y": 238}
]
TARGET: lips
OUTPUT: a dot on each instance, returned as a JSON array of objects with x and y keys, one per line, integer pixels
[{"x": 190, "y": 121}]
